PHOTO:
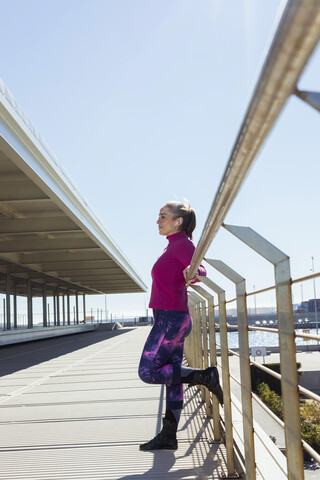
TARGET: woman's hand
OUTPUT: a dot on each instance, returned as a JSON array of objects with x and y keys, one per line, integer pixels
[{"x": 186, "y": 276}]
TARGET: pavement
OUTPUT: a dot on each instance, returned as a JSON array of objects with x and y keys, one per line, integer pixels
[{"x": 74, "y": 408}]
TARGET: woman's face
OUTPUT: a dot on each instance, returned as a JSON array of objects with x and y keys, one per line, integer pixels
[{"x": 166, "y": 223}]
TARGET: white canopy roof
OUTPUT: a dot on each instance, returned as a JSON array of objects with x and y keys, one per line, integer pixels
[{"x": 47, "y": 231}]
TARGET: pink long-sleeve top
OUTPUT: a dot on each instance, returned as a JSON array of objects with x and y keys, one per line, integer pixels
[{"x": 169, "y": 290}]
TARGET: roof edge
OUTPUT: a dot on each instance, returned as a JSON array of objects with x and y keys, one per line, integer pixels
[{"x": 41, "y": 165}]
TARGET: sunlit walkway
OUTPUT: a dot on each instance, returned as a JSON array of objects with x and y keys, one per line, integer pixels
[{"x": 74, "y": 408}]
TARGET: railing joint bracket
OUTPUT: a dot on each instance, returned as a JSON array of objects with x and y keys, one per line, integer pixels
[{"x": 229, "y": 475}]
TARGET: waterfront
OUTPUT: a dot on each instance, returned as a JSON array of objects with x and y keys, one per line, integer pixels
[{"x": 264, "y": 339}]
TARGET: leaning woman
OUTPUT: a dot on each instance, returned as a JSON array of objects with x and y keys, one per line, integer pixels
[{"x": 161, "y": 359}]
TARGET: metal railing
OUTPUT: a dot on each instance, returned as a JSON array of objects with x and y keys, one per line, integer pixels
[
  {"x": 202, "y": 309},
  {"x": 294, "y": 41}
]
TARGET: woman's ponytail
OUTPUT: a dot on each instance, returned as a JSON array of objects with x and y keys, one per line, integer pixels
[{"x": 189, "y": 222}]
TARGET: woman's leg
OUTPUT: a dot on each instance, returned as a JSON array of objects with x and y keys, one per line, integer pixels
[
  {"x": 167, "y": 438},
  {"x": 169, "y": 330},
  {"x": 174, "y": 395},
  {"x": 208, "y": 377},
  {"x": 161, "y": 363}
]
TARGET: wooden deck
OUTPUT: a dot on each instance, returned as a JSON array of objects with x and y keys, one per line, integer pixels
[{"x": 74, "y": 408}]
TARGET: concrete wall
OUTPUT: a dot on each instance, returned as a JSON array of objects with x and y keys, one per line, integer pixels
[
  {"x": 27, "y": 335},
  {"x": 311, "y": 380}
]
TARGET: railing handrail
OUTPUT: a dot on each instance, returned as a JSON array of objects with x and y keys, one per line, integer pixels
[
  {"x": 296, "y": 36},
  {"x": 284, "y": 62}
]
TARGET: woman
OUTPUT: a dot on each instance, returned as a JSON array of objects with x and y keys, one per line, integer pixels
[{"x": 161, "y": 358}]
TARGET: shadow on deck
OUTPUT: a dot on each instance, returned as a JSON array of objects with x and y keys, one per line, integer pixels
[{"x": 74, "y": 408}]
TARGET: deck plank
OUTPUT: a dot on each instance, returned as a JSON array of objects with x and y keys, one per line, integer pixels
[{"x": 77, "y": 410}]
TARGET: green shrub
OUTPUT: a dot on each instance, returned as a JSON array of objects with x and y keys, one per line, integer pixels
[
  {"x": 309, "y": 431},
  {"x": 310, "y": 411},
  {"x": 311, "y": 435},
  {"x": 259, "y": 376},
  {"x": 270, "y": 398}
]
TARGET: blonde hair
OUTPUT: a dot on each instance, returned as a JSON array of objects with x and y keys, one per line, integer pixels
[{"x": 183, "y": 209}]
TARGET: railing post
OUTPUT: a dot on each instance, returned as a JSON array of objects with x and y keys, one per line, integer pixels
[
  {"x": 245, "y": 372},
  {"x": 44, "y": 303},
  {"x": 4, "y": 313},
  {"x": 204, "y": 337},
  {"x": 63, "y": 310},
  {"x": 84, "y": 308},
  {"x": 15, "y": 307},
  {"x": 29, "y": 300},
  {"x": 197, "y": 329},
  {"x": 288, "y": 365},
  {"x": 225, "y": 373},
  {"x": 58, "y": 305},
  {"x": 54, "y": 309},
  {"x": 192, "y": 337},
  {"x": 213, "y": 359},
  {"x": 68, "y": 308},
  {"x": 189, "y": 343},
  {"x": 8, "y": 300},
  {"x": 77, "y": 308}
]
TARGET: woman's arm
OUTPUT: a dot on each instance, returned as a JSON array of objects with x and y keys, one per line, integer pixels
[
  {"x": 201, "y": 271},
  {"x": 184, "y": 255}
]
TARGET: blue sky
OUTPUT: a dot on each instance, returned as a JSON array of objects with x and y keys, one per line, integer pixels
[{"x": 141, "y": 102}]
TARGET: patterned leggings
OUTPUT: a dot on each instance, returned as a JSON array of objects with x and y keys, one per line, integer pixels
[{"x": 162, "y": 354}]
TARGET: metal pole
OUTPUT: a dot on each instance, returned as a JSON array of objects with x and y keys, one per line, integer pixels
[
  {"x": 44, "y": 304},
  {"x": 63, "y": 309},
  {"x": 255, "y": 301},
  {"x": 225, "y": 374},
  {"x": 296, "y": 37},
  {"x": 204, "y": 327},
  {"x": 213, "y": 359},
  {"x": 77, "y": 309},
  {"x": 8, "y": 289},
  {"x": 54, "y": 310},
  {"x": 30, "y": 312},
  {"x": 202, "y": 344},
  {"x": 191, "y": 338},
  {"x": 315, "y": 298},
  {"x": 48, "y": 315},
  {"x": 198, "y": 346},
  {"x": 15, "y": 308},
  {"x": 194, "y": 338},
  {"x": 226, "y": 383},
  {"x": 68, "y": 308},
  {"x": 84, "y": 308},
  {"x": 312, "y": 98},
  {"x": 289, "y": 377},
  {"x": 4, "y": 314},
  {"x": 58, "y": 306},
  {"x": 245, "y": 372}
]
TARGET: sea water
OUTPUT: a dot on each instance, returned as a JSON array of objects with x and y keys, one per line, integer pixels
[{"x": 264, "y": 339}]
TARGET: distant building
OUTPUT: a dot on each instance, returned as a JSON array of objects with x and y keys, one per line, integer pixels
[{"x": 309, "y": 306}]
